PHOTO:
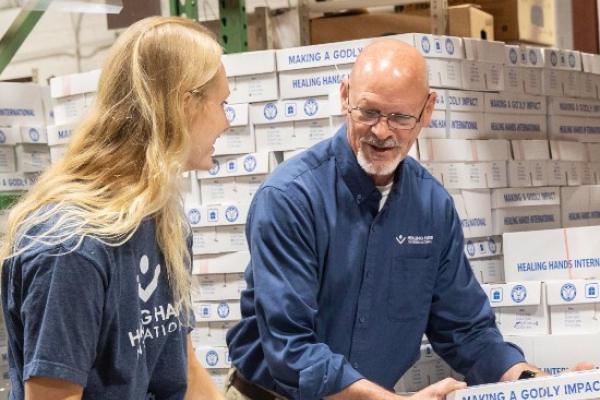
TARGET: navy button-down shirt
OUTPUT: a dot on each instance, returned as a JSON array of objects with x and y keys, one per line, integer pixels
[{"x": 338, "y": 291}]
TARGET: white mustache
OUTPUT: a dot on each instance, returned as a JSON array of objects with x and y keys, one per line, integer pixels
[{"x": 382, "y": 144}]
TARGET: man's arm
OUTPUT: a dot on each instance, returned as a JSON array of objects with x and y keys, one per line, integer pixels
[
  {"x": 200, "y": 384},
  {"x": 363, "y": 389},
  {"x": 42, "y": 388}
]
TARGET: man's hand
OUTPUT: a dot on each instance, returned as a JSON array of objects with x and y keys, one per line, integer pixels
[
  {"x": 581, "y": 366},
  {"x": 439, "y": 390},
  {"x": 513, "y": 373}
]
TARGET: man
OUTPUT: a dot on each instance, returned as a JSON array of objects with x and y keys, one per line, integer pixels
[{"x": 356, "y": 251}]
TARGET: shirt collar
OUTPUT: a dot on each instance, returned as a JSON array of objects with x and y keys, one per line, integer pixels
[{"x": 359, "y": 182}]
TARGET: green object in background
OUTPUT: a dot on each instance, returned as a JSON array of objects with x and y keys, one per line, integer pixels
[
  {"x": 234, "y": 22},
  {"x": 184, "y": 8},
  {"x": 8, "y": 199},
  {"x": 16, "y": 34}
]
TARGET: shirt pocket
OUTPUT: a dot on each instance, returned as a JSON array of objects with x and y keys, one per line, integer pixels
[{"x": 410, "y": 288}]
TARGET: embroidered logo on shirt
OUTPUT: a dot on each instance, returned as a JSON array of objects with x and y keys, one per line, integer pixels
[
  {"x": 146, "y": 292},
  {"x": 417, "y": 240}
]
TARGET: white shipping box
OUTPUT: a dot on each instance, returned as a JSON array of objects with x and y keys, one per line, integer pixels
[
  {"x": 210, "y": 334},
  {"x": 574, "y": 128},
  {"x": 473, "y": 175},
  {"x": 57, "y": 153},
  {"x": 311, "y": 82},
  {"x": 249, "y": 63},
  {"x": 433, "y": 46},
  {"x": 531, "y": 80},
  {"x": 228, "y": 263},
  {"x": 72, "y": 108},
  {"x": 32, "y": 157},
  {"x": 240, "y": 165},
  {"x": 217, "y": 190},
  {"x": 60, "y": 134},
  {"x": 530, "y": 149},
  {"x": 7, "y": 159},
  {"x": 21, "y": 104},
  {"x": 580, "y": 205},
  {"x": 520, "y": 219},
  {"x": 13, "y": 135},
  {"x": 484, "y": 50},
  {"x": 570, "y": 253},
  {"x": 253, "y": 88},
  {"x": 483, "y": 247},
  {"x": 275, "y": 137},
  {"x": 238, "y": 138},
  {"x": 216, "y": 357},
  {"x": 510, "y": 103},
  {"x": 506, "y": 126},
  {"x": 568, "y": 151},
  {"x": 226, "y": 213},
  {"x": 514, "y": 79},
  {"x": 322, "y": 55},
  {"x": 573, "y": 107},
  {"x": 15, "y": 181},
  {"x": 215, "y": 311},
  {"x": 473, "y": 208},
  {"x": 217, "y": 287},
  {"x": 562, "y": 59},
  {"x": 452, "y": 150},
  {"x": 520, "y": 307},
  {"x": 466, "y": 101},
  {"x": 489, "y": 270},
  {"x": 525, "y": 197},
  {"x": 437, "y": 128},
  {"x": 75, "y": 84},
  {"x": 311, "y": 132},
  {"x": 473, "y": 75},
  {"x": 570, "y": 386},
  {"x": 574, "y": 306},
  {"x": 466, "y": 125},
  {"x": 289, "y": 110},
  {"x": 552, "y": 82}
]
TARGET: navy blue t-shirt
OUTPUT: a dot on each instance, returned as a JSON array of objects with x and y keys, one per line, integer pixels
[{"x": 98, "y": 316}]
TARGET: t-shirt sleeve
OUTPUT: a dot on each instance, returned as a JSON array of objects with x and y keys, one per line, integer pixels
[{"x": 62, "y": 307}]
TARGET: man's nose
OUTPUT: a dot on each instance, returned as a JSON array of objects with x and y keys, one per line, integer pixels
[{"x": 381, "y": 129}]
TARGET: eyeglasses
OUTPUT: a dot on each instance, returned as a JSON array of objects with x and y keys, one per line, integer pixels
[{"x": 395, "y": 121}]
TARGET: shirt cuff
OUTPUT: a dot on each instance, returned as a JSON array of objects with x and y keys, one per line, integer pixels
[
  {"x": 317, "y": 382},
  {"x": 55, "y": 370},
  {"x": 494, "y": 362}
]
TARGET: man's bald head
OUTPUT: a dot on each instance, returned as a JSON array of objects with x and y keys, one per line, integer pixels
[{"x": 389, "y": 66}]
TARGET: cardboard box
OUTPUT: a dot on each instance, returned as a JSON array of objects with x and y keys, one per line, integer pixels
[
  {"x": 465, "y": 101},
  {"x": 75, "y": 84},
  {"x": 210, "y": 334},
  {"x": 217, "y": 190},
  {"x": 570, "y": 253},
  {"x": 7, "y": 159},
  {"x": 474, "y": 175},
  {"x": 557, "y": 173},
  {"x": 506, "y": 126},
  {"x": 457, "y": 150},
  {"x": 519, "y": 219},
  {"x": 473, "y": 208},
  {"x": 580, "y": 205},
  {"x": 32, "y": 157},
  {"x": 253, "y": 88},
  {"x": 438, "y": 126},
  {"x": 226, "y": 213},
  {"x": 519, "y": 173},
  {"x": 57, "y": 153},
  {"x": 525, "y": 20},
  {"x": 552, "y": 82},
  {"x": 60, "y": 134},
  {"x": 530, "y": 149},
  {"x": 593, "y": 152},
  {"x": 569, "y": 386},
  {"x": 465, "y": 125},
  {"x": 205, "y": 241},
  {"x": 13, "y": 135},
  {"x": 571, "y": 84},
  {"x": 473, "y": 75},
  {"x": 247, "y": 186},
  {"x": 568, "y": 151},
  {"x": 223, "y": 263},
  {"x": 289, "y": 110},
  {"x": 486, "y": 50},
  {"x": 433, "y": 46},
  {"x": 311, "y": 81},
  {"x": 311, "y": 132},
  {"x": 213, "y": 311},
  {"x": 483, "y": 247},
  {"x": 489, "y": 270},
  {"x": 574, "y": 348},
  {"x": 322, "y": 55},
  {"x": 468, "y": 21},
  {"x": 21, "y": 104},
  {"x": 532, "y": 79},
  {"x": 217, "y": 287},
  {"x": 562, "y": 127},
  {"x": 213, "y": 357},
  {"x": 573, "y": 306},
  {"x": 508, "y": 103},
  {"x": 240, "y": 165},
  {"x": 520, "y": 307},
  {"x": 450, "y": 73},
  {"x": 514, "y": 79},
  {"x": 587, "y": 86},
  {"x": 569, "y": 60},
  {"x": 573, "y": 107},
  {"x": 73, "y": 108},
  {"x": 525, "y": 197},
  {"x": 239, "y": 138},
  {"x": 15, "y": 181}
]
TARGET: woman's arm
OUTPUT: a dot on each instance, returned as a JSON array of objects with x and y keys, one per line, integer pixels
[
  {"x": 42, "y": 388},
  {"x": 200, "y": 384}
]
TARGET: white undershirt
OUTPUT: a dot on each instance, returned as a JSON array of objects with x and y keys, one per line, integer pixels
[{"x": 385, "y": 191}]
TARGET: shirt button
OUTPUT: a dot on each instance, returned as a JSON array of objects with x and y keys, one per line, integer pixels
[
  {"x": 369, "y": 274},
  {"x": 358, "y": 198},
  {"x": 362, "y": 320},
  {"x": 355, "y": 365}
]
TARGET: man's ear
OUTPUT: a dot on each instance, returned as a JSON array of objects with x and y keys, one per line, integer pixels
[
  {"x": 426, "y": 117},
  {"x": 344, "y": 93}
]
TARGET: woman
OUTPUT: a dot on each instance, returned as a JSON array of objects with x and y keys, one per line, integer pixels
[{"x": 96, "y": 280}]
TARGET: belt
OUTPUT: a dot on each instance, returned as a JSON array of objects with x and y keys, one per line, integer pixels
[{"x": 251, "y": 390}]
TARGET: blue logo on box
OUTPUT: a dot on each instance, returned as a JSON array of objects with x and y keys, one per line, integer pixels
[
  {"x": 492, "y": 246},
  {"x": 571, "y": 60},
  {"x": 231, "y": 165},
  {"x": 496, "y": 295},
  {"x": 34, "y": 135},
  {"x": 425, "y": 44},
  {"x": 270, "y": 111},
  {"x": 214, "y": 170},
  {"x": 290, "y": 109},
  {"x": 223, "y": 310},
  {"x": 437, "y": 45},
  {"x": 311, "y": 107},
  {"x": 229, "y": 113},
  {"x": 212, "y": 358},
  {"x": 2, "y": 137},
  {"x": 204, "y": 311},
  {"x": 449, "y": 46},
  {"x": 250, "y": 163},
  {"x": 470, "y": 249},
  {"x": 232, "y": 213},
  {"x": 591, "y": 290},
  {"x": 568, "y": 292},
  {"x": 194, "y": 216},
  {"x": 518, "y": 293},
  {"x": 213, "y": 215},
  {"x": 553, "y": 58},
  {"x": 512, "y": 56},
  {"x": 533, "y": 59}
]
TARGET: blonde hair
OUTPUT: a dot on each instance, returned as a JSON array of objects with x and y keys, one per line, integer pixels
[{"x": 125, "y": 160}]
